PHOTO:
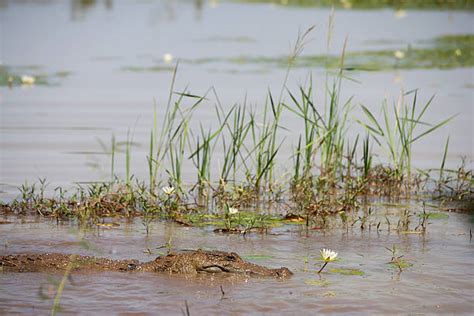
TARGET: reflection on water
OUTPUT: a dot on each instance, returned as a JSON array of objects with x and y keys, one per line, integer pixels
[
  {"x": 439, "y": 279},
  {"x": 79, "y": 8}
]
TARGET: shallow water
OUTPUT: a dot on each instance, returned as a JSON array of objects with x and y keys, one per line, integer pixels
[
  {"x": 440, "y": 279},
  {"x": 54, "y": 131}
]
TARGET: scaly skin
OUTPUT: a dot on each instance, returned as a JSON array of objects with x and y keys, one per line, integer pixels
[{"x": 191, "y": 262}]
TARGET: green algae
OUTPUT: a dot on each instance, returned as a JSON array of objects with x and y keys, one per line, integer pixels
[
  {"x": 155, "y": 68},
  {"x": 14, "y": 76},
  {"x": 445, "y": 52}
]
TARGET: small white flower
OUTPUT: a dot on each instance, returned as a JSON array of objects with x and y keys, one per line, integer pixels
[
  {"x": 399, "y": 54},
  {"x": 167, "y": 58},
  {"x": 346, "y": 4},
  {"x": 168, "y": 190},
  {"x": 458, "y": 52},
  {"x": 328, "y": 255},
  {"x": 25, "y": 79},
  {"x": 233, "y": 210},
  {"x": 400, "y": 14}
]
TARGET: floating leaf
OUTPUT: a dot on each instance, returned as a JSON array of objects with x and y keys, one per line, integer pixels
[
  {"x": 438, "y": 216},
  {"x": 347, "y": 271},
  {"x": 329, "y": 294},
  {"x": 322, "y": 283}
]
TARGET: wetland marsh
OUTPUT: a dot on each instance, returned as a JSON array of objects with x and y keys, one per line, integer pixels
[{"x": 130, "y": 130}]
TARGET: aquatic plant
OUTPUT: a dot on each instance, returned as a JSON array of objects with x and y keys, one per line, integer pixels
[
  {"x": 397, "y": 138},
  {"x": 443, "y": 52},
  {"x": 233, "y": 210},
  {"x": 327, "y": 255},
  {"x": 168, "y": 190},
  {"x": 62, "y": 284},
  {"x": 29, "y": 75},
  {"x": 328, "y": 177},
  {"x": 27, "y": 80},
  {"x": 398, "y": 261},
  {"x": 167, "y": 58}
]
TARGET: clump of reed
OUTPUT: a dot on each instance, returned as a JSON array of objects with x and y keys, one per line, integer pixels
[{"x": 332, "y": 173}]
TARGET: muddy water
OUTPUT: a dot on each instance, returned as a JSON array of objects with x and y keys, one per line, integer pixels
[
  {"x": 54, "y": 131},
  {"x": 440, "y": 280}
]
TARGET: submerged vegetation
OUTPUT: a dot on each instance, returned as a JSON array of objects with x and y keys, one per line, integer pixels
[
  {"x": 28, "y": 75},
  {"x": 444, "y": 52}
]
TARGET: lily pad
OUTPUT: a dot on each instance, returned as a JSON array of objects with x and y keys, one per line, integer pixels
[
  {"x": 329, "y": 294},
  {"x": 322, "y": 283},
  {"x": 438, "y": 216},
  {"x": 347, "y": 271},
  {"x": 29, "y": 76}
]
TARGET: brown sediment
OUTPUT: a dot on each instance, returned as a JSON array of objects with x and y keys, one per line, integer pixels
[{"x": 189, "y": 262}]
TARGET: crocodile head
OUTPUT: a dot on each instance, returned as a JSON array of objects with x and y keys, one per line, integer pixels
[{"x": 201, "y": 261}]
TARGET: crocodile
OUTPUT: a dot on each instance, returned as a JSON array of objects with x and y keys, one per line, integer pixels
[{"x": 186, "y": 262}]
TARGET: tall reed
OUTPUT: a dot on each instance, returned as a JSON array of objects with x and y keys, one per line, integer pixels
[{"x": 397, "y": 134}]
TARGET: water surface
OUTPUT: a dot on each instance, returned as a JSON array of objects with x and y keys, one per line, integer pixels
[{"x": 440, "y": 279}]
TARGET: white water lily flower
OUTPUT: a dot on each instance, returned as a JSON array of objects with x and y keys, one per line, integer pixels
[
  {"x": 328, "y": 255},
  {"x": 27, "y": 79},
  {"x": 346, "y": 4},
  {"x": 399, "y": 54},
  {"x": 400, "y": 14},
  {"x": 167, "y": 58},
  {"x": 233, "y": 210},
  {"x": 168, "y": 190}
]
